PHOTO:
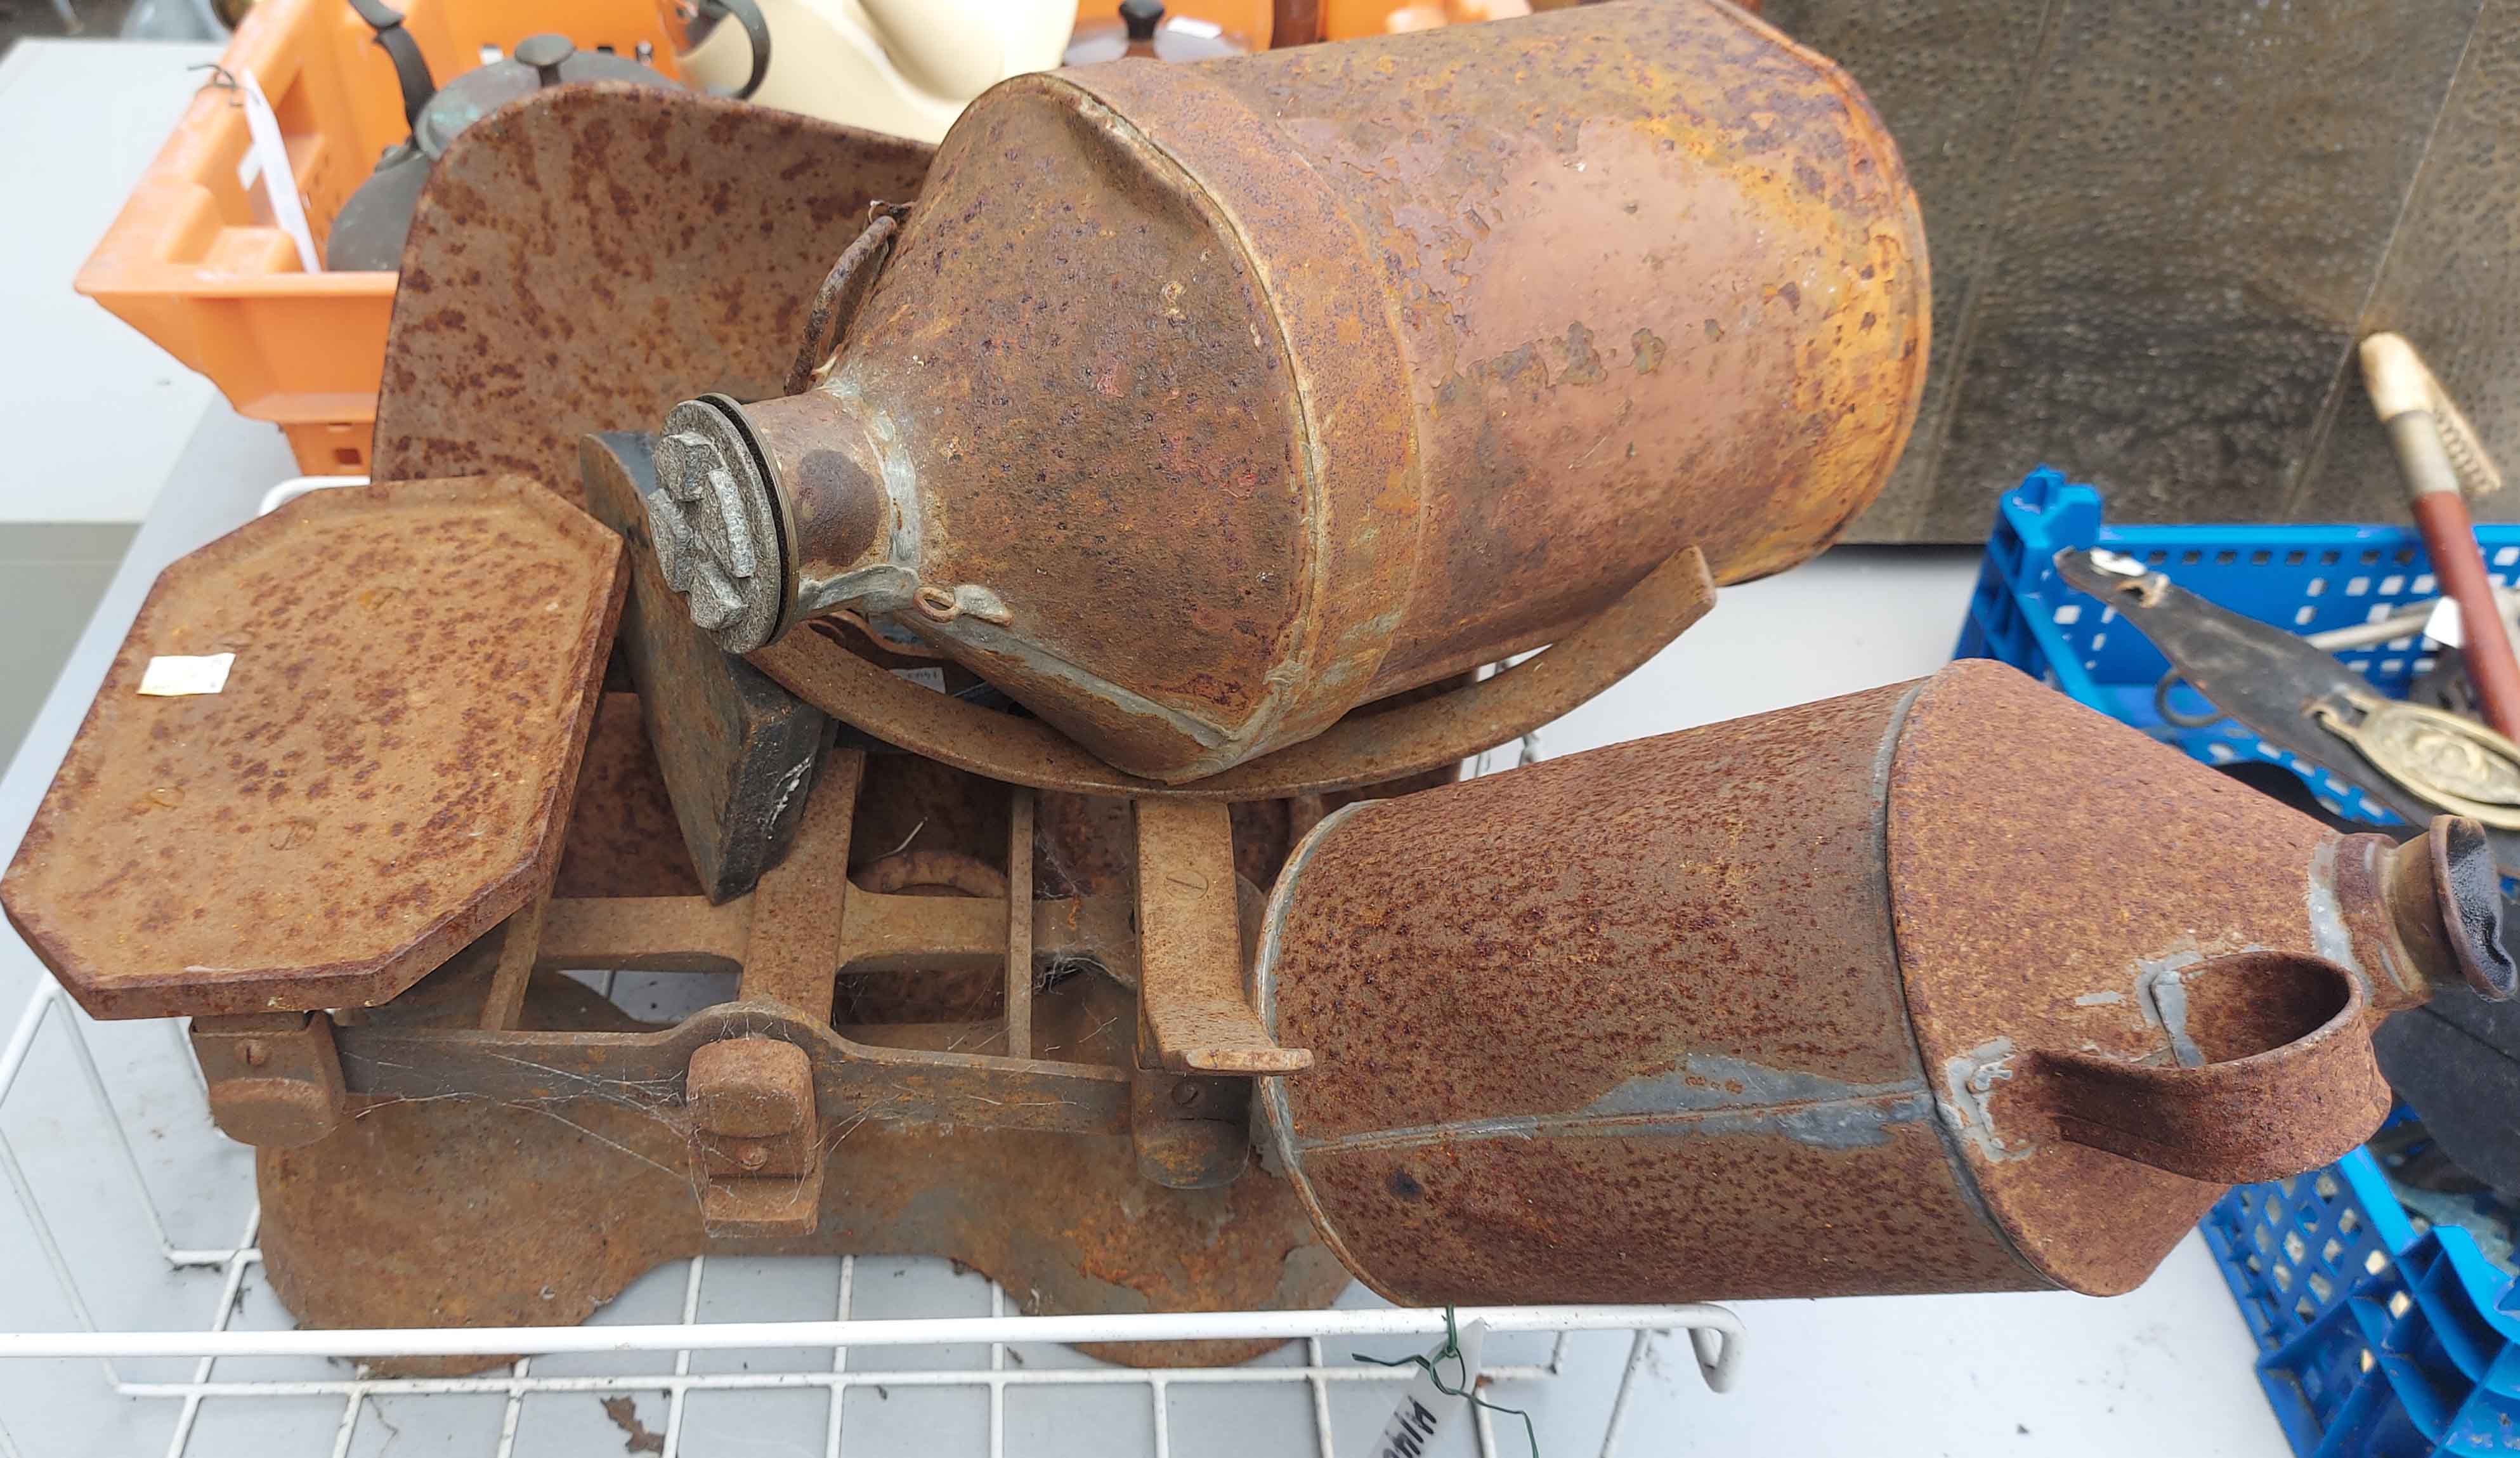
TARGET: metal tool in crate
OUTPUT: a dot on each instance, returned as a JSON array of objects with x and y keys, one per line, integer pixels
[
  {"x": 2416, "y": 760},
  {"x": 369, "y": 232},
  {"x": 2318, "y": 581},
  {"x": 1196, "y": 559}
]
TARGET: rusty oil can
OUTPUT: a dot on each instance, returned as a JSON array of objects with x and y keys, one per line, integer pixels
[
  {"x": 1949, "y": 986},
  {"x": 1196, "y": 405}
]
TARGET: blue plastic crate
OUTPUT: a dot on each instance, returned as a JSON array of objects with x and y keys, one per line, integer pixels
[
  {"x": 2372, "y": 1339},
  {"x": 2308, "y": 578}
]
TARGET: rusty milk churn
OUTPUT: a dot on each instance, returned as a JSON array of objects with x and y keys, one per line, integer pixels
[
  {"x": 1196, "y": 405},
  {"x": 1949, "y": 986}
]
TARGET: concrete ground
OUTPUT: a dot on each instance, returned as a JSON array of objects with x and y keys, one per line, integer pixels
[{"x": 96, "y": 18}]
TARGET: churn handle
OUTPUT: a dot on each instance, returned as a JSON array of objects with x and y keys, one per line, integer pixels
[
  {"x": 2268, "y": 1116},
  {"x": 843, "y": 293}
]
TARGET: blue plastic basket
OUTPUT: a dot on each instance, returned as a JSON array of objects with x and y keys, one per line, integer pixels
[
  {"x": 2308, "y": 578},
  {"x": 2372, "y": 1339}
]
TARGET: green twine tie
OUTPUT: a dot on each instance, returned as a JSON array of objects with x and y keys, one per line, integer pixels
[{"x": 1460, "y": 1387}]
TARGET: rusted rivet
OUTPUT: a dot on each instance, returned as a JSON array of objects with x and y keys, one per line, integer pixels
[
  {"x": 936, "y": 604},
  {"x": 253, "y": 1053},
  {"x": 752, "y": 1154},
  {"x": 1185, "y": 1093}
]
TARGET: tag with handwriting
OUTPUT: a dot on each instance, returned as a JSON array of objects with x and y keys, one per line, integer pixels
[{"x": 1426, "y": 1410}]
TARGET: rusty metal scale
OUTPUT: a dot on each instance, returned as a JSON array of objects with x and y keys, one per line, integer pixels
[
  {"x": 1011, "y": 976},
  {"x": 380, "y": 778}
]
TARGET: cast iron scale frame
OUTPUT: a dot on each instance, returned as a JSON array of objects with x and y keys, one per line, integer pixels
[
  {"x": 472, "y": 1008},
  {"x": 404, "y": 1085}
]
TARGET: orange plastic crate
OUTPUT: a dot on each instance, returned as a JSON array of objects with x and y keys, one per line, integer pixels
[{"x": 194, "y": 263}]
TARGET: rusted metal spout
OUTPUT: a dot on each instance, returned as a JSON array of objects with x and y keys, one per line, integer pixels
[
  {"x": 2445, "y": 895},
  {"x": 1953, "y": 985},
  {"x": 1197, "y": 406}
]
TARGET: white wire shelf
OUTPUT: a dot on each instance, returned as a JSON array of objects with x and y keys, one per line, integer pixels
[{"x": 996, "y": 1354}]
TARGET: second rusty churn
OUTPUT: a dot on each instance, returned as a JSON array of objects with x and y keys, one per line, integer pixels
[
  {"x": 1197, "y": 405},
  {"x": 1949, "y": 986}
]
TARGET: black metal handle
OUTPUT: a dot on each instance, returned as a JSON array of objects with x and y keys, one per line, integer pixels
[
  {"x": 756, "y": 31},
  {"x": 411, "y": 69}
]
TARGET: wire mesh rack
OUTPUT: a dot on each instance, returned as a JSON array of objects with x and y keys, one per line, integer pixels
[
  {"x": 157, "y": 1331},
  {"x": 242, "y": 1354}
]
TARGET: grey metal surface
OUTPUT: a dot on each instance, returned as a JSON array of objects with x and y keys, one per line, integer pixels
[
  {"x": 222, "y": 473},
  {"x": 51, "y": 576},
  {"x": 81, "y": 119},
  {"x": 65, "y": 1407},
  {"x": 2158, "y": 230}
]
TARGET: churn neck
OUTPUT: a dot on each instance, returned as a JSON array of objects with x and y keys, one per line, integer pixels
[{"x": 770, "y": 513}]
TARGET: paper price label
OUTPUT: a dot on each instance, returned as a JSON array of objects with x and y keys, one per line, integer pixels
[
  {"x": 177, "y": 677},
  {"x": 270, "y": 152}
]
